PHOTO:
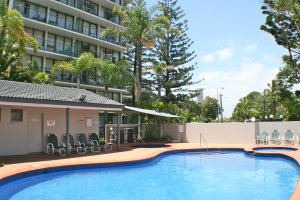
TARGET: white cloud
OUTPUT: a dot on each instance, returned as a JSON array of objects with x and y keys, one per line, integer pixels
[
  {"x": 219, "y": 55},
  {"x": 250, "y": 48},
  {"x": 208, "y": 58},
  {"x": 237, "y": 82},
  {"x": 224, "y": 54}
]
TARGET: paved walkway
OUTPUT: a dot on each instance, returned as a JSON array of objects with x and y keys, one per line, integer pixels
[{"x": 19, "y": 164}]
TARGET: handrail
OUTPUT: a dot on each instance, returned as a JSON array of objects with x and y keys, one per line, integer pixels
[{"x": 201, "y": 136}]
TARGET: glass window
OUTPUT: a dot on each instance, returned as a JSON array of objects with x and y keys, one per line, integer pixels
[
  {"x": 16, "y": 115},
  {"x": 29, "y": 31},
  {"x": 61, "y": 20},
  {"x": 51, "y": 42},
  {"x": 69, "y": 22},
  {"x": 39, "y": 35},
  {"x": 37, "y": 61},
  {"x": 53, "y": 17},
  {"x": 116, "y": 97},
  {"x": 49, "y": 64},
  {"x": 59, "y": 43},
  {"x": 93, "y": 31},
  {"x": 86, "y": 28}
]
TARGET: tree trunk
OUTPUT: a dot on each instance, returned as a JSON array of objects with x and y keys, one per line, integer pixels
[
  {"x": 138, "y": 75},
  {"x": 158, "y": 86},
  {"x": 78, "y": 81}
]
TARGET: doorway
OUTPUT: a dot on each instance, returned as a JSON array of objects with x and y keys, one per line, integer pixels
[{"x": 35, "y": 133}]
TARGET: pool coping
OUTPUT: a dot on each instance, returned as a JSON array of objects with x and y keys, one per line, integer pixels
[{"x": 12, "y": 172}]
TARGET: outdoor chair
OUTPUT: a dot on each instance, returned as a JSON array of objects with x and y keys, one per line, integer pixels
[
  {"x": 289, "y": 137},
  {"x": 84, "y": 143},
  {"x": 275, "y": 137},
  {"x": 74, "y": 146},
  {"x": 95, "y": 140},
  {"x": 53, "y": 146},
  {"x": 262, "y": 138}
]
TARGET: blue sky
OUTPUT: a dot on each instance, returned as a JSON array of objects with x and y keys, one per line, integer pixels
[{"x": 232, "y": 52}]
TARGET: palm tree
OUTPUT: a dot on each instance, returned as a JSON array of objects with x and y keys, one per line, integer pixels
[
  {"x": 113, "y": 74},
  {"x": 13, "y": 38},
  {"x": 142, "y": 26},
  {"x": 84, "y": 63}
]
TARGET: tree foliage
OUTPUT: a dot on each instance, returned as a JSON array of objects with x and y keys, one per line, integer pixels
[
  {"x": 210, "y": 108},
  {"x": 142, "y": 26},
  {"x": 172, "y": 52},
  {"x": 13, "y": 38},
  {"x": 84, "y": 63},
  {"x": 283, "y": 23}
]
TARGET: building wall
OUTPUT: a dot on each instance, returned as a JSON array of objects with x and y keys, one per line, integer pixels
[
  {"x": 14, "y": 136},
  {"x": 227, "y": 133}
]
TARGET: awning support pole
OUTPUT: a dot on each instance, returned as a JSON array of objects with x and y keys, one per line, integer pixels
[
  {"x": 68, "y": 129},
  {"x": 118, "y": 131}
]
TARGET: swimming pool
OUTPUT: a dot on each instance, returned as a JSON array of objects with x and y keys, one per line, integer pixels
[
  {"x": 190, "y": 175},
  {"x": 274, "y": 149}
]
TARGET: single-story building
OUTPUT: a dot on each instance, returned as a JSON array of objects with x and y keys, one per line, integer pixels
[{"x": 29, "y": 112}]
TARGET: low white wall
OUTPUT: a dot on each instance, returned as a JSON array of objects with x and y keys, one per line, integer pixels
[
  {"x": 221, "y": 133},
  {"x": 226, "y": 133}
]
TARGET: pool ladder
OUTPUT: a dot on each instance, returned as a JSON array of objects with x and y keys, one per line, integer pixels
[{"x": 202, "y": 137}]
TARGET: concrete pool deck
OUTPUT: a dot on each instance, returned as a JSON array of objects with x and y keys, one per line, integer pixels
[{"x": 13, "y": 165}]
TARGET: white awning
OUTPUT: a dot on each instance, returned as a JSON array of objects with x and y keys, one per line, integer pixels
[{"x": 151, "y": 112}]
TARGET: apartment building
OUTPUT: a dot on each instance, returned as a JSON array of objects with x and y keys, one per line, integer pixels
[{"x": 66, "y": 28}]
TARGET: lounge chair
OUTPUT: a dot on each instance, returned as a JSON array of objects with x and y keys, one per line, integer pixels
[
  {"x": 53, "y": 146},
  {"x": 289, "y": 137},
  {"x": 262, "y": 138},
  {"x": 74, "y": 146},
  {"x": 275, "y": 137},
  {"x": 95, "y": 139},
  {"x": 84, "y": 143}
]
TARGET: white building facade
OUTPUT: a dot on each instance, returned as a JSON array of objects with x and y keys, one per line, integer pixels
[{"x": 66, "y": 28}]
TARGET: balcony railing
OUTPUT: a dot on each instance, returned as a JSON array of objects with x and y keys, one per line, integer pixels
[
  {"x": 68, "y": 24},
  {"x": 94, "y": 10}
]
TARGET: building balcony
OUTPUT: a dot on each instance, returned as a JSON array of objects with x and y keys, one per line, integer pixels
[{"x": 70, "y": 26}]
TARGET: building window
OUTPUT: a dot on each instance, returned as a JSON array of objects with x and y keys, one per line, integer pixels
[
  {"x": 49, "y": 64},
  {"x": 36, "y": 61},
  {"x": 39, "y": 35},
  {"x": 16, "y": 115}
]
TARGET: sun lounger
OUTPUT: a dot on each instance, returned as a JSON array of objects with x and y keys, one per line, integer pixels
[
  {"x": 53, "y": 146},
  {"x": 74, "y": 146},
  {"x": 87, "y": 145},
  {"x": 95, "y": 139},
  {"x": 289, "y": 137},
  {"x": 262, "y": 138},
  {"x": 274, "y": 137}
]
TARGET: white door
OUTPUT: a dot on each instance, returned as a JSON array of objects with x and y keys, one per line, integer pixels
[{"x": 35, "y": 132}]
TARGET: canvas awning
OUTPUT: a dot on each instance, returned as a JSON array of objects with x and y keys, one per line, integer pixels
[{"x": 151, "y": 112}]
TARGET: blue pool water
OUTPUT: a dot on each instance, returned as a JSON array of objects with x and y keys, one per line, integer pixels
[{"x": 225, "y": 175}]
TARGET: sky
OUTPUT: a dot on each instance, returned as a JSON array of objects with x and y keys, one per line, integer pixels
[{"x": 232, "y": 52}]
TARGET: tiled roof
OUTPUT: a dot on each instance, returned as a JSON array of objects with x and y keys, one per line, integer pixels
[{"x": 19, "y": 91}]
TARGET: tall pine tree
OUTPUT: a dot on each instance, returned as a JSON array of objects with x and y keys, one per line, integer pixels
[{"x": 172, "y": 51}]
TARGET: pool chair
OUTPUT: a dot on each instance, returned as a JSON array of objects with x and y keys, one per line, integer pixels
[
  {"x": 289, "y": 137},
  {"x": 74, "y": 146},
  {"x": 262, "y": 138},
  {"x": 53, "y": 146},
  {"x": 84, "y": 143},
  {"x": 95, "y": 140},
  {"x": 274, "y": 137}
]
